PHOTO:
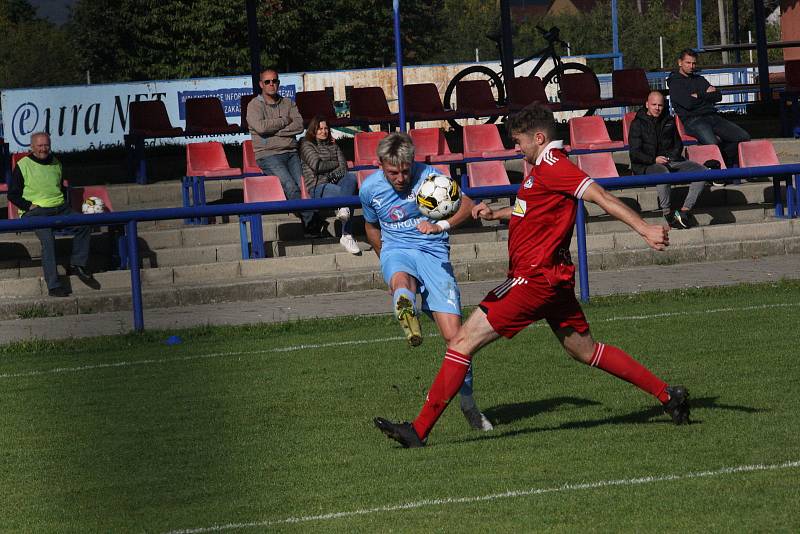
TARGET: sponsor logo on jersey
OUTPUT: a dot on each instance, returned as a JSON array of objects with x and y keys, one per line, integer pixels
[
  {"x": 404, "y": 225},
  {"x": 519, "y": 208},
  {"x": 377, "y": 202},
  {"x": 397, "y": 213}
]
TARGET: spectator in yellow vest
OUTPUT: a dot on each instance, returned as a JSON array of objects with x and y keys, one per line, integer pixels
[{"x": 37, "y": 190}]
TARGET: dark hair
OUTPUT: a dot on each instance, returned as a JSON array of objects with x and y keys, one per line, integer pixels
[
  {"x": 311, "y": 131},
  {"x": 533, "y": 118},
  {"x": 687, "y": 52}
]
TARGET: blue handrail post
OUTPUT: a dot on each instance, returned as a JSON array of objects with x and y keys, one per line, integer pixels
[
  {"x": 583, "y": 263},
  {"x": 398, "y": 55},
  {"x": 136, "y": 280}
]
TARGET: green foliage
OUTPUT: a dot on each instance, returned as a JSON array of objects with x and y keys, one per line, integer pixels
[{"x": 33, "y": 52}]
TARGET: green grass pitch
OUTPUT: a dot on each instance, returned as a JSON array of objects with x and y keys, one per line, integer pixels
[{"x": 269, "y": 427}]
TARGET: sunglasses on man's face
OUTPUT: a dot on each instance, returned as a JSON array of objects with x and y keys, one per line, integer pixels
[{"x": 276, "y": 81}]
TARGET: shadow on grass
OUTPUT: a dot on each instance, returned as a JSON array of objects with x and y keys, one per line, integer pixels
[{"x": 505, "y": 414}]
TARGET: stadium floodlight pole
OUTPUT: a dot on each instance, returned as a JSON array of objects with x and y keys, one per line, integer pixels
[
  {"x": 398, "y": 55},
  {"x": 252, "y": 40},
  {"x": 615, "y": 36},
  {"x": 698, "y": 16},
  {"x": 507, "y": 48},
  {"x": 759, "y": 14}
]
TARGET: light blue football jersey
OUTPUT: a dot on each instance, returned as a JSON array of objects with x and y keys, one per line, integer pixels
[{"x": 398, "y": 214}]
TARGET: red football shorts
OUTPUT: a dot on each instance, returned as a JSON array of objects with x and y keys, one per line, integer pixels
[{"x": 521, "y": 301}]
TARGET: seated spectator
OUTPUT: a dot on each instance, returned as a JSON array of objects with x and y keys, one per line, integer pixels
[
  {"x": 37, "y": 190},
  {"x": 325, "y": 174},
  {"x": 274, "y": 121},
  {"x": 656, "y": 148},
  {"x": 693, "y": 99}
]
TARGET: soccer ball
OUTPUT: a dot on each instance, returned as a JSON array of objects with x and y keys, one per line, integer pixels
[
  {"x": 439, "y": 197},
  {"x": 93, "y": 205}
]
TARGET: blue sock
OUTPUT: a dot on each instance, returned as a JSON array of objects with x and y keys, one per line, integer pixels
[{"x": 404, "y": 292}]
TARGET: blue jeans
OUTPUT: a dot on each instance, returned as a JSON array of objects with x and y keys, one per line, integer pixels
[
  {"x": 287, "y": 168},
  {"x": 714, "y": 130},
  {"x": 80, "y": 243},
  {"x": 346, "y": 187}
]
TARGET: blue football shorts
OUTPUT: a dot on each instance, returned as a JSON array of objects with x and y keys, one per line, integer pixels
[{"x": 437, "y": 282}]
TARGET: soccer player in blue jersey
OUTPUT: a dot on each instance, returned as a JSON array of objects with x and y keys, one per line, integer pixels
[{"x": 415, "y": 250}]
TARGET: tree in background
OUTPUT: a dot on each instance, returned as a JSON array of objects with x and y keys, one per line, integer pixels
[{"x": 33, "y": 52}]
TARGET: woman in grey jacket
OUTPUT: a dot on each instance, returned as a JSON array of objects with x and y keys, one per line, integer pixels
[{"x": 325, "y": 174}]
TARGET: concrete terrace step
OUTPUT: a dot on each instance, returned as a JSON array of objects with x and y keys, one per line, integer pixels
[{"x": 335, "y": 272}]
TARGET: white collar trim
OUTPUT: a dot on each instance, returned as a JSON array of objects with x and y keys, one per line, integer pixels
[{"x": 548, "y": 147}]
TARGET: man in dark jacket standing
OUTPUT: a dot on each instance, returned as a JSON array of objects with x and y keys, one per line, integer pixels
[
  {"x": 693, "y": 99},
  {"x": 656, "y": 148}
]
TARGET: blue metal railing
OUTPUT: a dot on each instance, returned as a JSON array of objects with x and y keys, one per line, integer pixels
[{"x": 130, "y": 219}]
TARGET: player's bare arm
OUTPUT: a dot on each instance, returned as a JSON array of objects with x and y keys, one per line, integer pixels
[
  {"x": 458, "y": 218},
  {"x": 656, "y": 236},
  {"x": 485, "y": 212},
  {"x": 373, "y": 237}
]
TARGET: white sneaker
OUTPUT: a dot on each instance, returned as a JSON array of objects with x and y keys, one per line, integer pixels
[
  {"x": 350, "y": 244},
  {"x": 343, "y": 215}
]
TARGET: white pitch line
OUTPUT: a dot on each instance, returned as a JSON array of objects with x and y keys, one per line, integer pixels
[
  {"x": 495, "y": 496},
  {"x": 294, "y": 348}
]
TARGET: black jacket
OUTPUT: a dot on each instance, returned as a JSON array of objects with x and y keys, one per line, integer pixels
[
  {"x": 649, "y": 137},
  {"x": 687, "y": 106}
]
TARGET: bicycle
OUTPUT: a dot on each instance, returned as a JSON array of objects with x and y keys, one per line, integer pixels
[{"x": 551, "y": 80}]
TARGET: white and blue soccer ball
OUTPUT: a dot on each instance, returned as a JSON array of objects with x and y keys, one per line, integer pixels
[
  {"x": 439, "y": 197},
  {"x": 93, "y": 205}
]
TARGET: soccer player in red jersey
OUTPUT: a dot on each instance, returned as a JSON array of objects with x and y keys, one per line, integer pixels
[{"x": 541, "y": 280}]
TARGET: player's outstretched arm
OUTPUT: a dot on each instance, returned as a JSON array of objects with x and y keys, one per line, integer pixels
[
  {"x": 373, "y": 232},
  {"x": 483, "y": 211},
  {"x": 656, "y": 236},
  {"x": 458, "y": 218}
]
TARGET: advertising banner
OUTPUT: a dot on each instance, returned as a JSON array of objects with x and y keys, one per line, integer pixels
[{"x": 96, "y": 116}]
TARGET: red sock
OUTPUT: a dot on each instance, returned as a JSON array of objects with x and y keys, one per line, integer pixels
[
  {"x": 445, "y": 386},
  {"x": 618, "y": 363}
]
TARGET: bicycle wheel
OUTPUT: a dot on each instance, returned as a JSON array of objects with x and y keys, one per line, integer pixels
[
  {"x": 552, "y": 81},
  {"x": 476, "y": 72}
]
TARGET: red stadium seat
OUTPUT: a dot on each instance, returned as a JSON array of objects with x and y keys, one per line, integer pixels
[
  {"x": 431, "y": 146},
  {"x": 630, "y": 86},
  {"x": 362, "y": 175},
  {"x": 626, "y": 125},
  {"x": 702, "y": 153},
  {"x": 475, "y": 98},
  {"x": 423, "y": 103},
  {"x": 483, "y": 173},
  {"x": 249, "y": 165},
  {"x": 205, "y": 116},
  {"x": 444, "y": 169},
  {"x": 598, "y": 165},
  {"x": 16, "y": 156},
  {"x": 263, "y": 189},
  {"x": 525, "y": 91},
  {"x": 590, "y": 133},
  {"x": 581, "y": 90},
  {"x": 149, "y": 118},
  {"x": 368, "y": 106},
  {"x": 311, "y": 103},
  {"x": 208, "y": 160},
  {"x": 244, "y": 101},
  {"x": 757, "y": 153},
  {"x": 483, "y": 141},
  {"x": 365, "y": 146},
  {"x": 685, "y": 138}
]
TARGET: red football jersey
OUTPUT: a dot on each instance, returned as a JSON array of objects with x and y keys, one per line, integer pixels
[{"x": 540, "y": 229}]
